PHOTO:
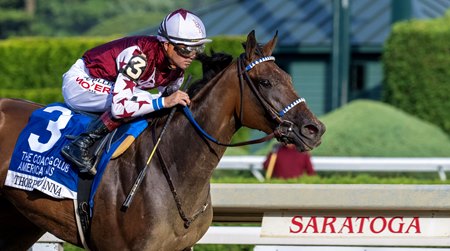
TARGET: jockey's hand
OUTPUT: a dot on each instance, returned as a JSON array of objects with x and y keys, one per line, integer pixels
[{"x": 178, "y": 97}]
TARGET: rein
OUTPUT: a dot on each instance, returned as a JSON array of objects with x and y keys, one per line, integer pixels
[
  {"x": 191, "y": 118},
  {"x": 284, "y": 126},
  {"x": 187, "y": 220}
]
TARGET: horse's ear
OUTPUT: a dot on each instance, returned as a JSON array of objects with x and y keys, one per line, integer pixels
[
  {"x": 250, "y": 46},
  {"x": 268, "y": 48}
]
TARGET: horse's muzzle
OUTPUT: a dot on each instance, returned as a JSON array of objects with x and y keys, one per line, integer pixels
[
  {"x": 312, "y": 134},
  {"x": 306, "y": 138}
]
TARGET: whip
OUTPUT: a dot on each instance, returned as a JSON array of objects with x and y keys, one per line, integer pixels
[{"x": 143, "y": 172}]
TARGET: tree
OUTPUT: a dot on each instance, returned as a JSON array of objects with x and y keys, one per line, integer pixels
[
  {"x": 13, "y": 18},
  {"x": 78, "y": 17}
]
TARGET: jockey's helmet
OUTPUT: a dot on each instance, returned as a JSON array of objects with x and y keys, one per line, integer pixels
[{"x": 183, "y": 27}]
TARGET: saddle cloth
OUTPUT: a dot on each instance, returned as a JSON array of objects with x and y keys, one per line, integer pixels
[{"x": 36, "y": 162}]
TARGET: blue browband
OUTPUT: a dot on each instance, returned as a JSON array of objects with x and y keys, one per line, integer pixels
[{"x": 258, "y": 61}]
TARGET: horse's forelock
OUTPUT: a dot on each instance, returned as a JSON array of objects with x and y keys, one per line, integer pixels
[{"x": 258, "y": 49}]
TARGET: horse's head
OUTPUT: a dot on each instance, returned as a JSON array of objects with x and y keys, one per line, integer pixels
[{"x": 272, "y": 105}]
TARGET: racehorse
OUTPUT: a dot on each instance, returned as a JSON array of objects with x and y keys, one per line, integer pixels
[{"x": 251, "y": 91}]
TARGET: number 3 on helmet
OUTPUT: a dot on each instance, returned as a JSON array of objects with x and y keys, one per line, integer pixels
[{"x": 183, "y": 27}]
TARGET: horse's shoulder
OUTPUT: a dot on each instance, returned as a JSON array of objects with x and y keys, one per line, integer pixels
[{"x": 14, "y": 104}]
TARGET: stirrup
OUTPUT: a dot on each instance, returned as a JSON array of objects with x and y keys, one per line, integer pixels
[
  {"x": 77, "y": 161},
  {"x": 92, "y": 171}
]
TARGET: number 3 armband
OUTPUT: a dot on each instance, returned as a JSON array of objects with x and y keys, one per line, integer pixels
[{"x": 135, "y": 67}]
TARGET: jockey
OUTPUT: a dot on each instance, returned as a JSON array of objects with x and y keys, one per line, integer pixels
[{"x": 113, "y": 79}]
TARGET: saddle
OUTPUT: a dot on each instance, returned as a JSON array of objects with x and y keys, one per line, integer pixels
[
  {"x": 104, "y": 145},
  {"x": 37, "y": 163}
]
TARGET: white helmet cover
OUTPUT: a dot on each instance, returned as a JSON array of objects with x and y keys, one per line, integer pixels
[{"x": 183, "y": 27}]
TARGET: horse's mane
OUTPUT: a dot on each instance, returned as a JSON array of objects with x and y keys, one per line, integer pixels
[{"x": 211, "y": 66}]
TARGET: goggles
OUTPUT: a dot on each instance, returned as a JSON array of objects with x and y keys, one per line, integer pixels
[{"x": 188, "y": 51}]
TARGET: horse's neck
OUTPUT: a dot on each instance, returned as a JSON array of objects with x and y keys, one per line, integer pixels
[
  {"x": 189, "y": 157},
  {"x": 213, "y": 108}
]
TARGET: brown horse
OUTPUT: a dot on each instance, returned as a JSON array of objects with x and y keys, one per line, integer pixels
[{"x": 235, "y": 97}]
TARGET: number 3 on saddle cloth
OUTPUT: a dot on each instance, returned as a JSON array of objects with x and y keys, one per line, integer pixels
[{"x": 36, "y": 162}]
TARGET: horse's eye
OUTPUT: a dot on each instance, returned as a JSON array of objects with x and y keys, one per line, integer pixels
[{"x": 265, "y": 83}]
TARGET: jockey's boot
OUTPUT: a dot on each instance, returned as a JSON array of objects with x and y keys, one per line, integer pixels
[{"x": 78, "y": 151}]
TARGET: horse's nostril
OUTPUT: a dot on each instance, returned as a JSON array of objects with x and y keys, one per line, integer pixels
[{"x": 310, "y": 130}]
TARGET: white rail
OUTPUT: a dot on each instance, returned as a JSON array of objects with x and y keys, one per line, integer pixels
[
  {"x": 346, "y": 164},
  {"x": 251, "y": 236},
  {"x": 255, "y": 203},
  {"x": 48, "y": 242}
]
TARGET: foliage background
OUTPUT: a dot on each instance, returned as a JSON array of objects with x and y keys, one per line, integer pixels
[
  {"x": 417, "y": 70},
  {"x": 84, "y": 17},
  {"x": 375, "y": 129},
  {"x": 416, "y": 62},
  {"x": 39, "y": 62}
]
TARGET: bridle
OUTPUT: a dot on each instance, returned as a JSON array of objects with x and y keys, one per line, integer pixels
[
  {"x": 285, "y": 127},
  {"x": 282, "y": 132}
]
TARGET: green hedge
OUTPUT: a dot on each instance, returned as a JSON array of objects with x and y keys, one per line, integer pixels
[
  {"x": 32, "y": 68},
  {"x": 375, "y": 129},
  {"x": 39, "y": 62},
  {"x": 370, "y": 128},
  {"x": 200, "y": 247},
  {"x": 416, "y": 63}
]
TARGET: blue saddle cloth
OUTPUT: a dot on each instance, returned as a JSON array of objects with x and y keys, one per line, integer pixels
[{"x": 37, "y": 163}]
